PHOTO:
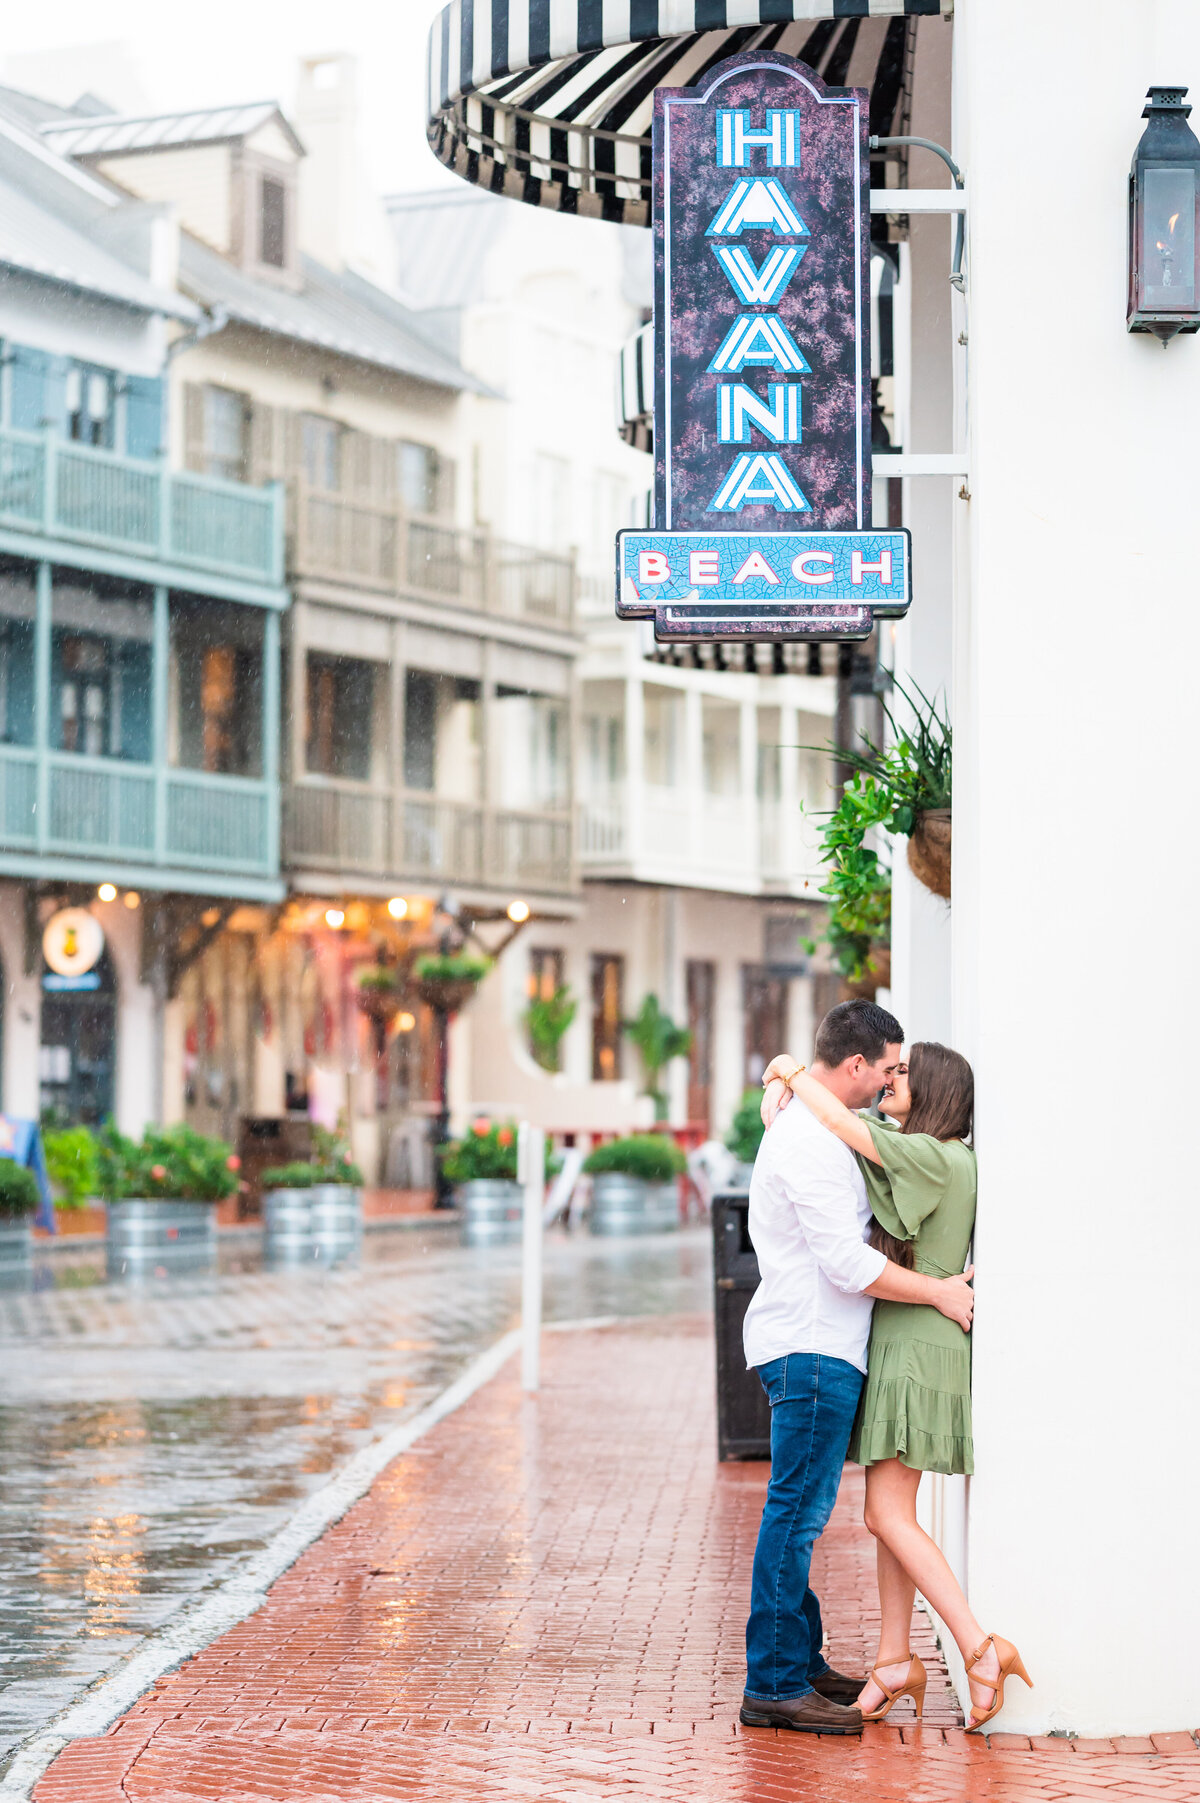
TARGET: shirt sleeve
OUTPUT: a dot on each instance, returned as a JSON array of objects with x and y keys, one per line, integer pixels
[
  {"x": 824, "y": 1202},
  {"x": 911, "y": 1179}
]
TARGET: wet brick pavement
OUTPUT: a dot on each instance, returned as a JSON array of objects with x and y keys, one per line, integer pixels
[
  {"x": 544, "y": 1599},
  {"x": 153, "y": 1437}
]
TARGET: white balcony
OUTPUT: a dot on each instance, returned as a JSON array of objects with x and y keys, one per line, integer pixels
[{"x": 685, "y": 837}]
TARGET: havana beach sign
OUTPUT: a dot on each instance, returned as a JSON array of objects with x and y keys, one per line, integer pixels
[{"x": 762, "y": 411}]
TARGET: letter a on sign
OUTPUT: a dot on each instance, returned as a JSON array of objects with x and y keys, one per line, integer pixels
[
  {"x": 759, "y": 201},
  {"x": 763, "y": 340},
  {"x": 758, "y": 478}
]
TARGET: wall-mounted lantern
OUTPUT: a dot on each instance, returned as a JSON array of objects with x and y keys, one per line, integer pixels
[{"x": 1164, "y": 220}]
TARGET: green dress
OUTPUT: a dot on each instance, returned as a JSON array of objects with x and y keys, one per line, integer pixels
[{"x": 916, "y": 1404}]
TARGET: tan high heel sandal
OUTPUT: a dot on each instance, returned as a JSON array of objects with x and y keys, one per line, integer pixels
[
  {"x": 1010, "y": 1665},
  {"x": 913, "y": 1686}
]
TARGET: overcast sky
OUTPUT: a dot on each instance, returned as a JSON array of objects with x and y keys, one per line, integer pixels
[{"x": 231, "y": 50}]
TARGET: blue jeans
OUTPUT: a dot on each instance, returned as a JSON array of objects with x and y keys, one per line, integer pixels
[{"x": 813, "y": 1402}]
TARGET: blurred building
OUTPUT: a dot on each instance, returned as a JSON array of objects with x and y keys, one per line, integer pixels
[{"x": 139, "y": 647}]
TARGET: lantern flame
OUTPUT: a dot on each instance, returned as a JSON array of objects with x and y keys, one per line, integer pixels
[{"x": 1172, "y": 222}]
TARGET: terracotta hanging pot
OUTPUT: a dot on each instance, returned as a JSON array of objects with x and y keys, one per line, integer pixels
[
  {"x": 929, "y": 850},
  {"x": 877, "y": 975},
  {"x": 446, "y": 994},
  {"x": 379, "y": 1004}
]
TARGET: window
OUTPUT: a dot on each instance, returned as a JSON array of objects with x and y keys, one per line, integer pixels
[
  {"x": 216, "y": 687},
  {"x": 608, "y": 1010},
  {"x": 425, "y": 479},
  {"x": 701, "y": 993},
  {"x": 89, "y": 405},
  {"x": 663, "y": 711},
  {"x": 100, "y": 669},
  {"x": 604, "y": 741},
  {"x": 322, "y": 446},
  {"x": 551, "y": 502},
  {"x": 442, "y": 735},
  {"x": 531, "y": 750},
  {"x": 341, "y": 710},
  {"x": 546, "y": 978},
  {"x": 17, "y": 609},
  {"x": 272, "y": 223},
  {"x": 764, "y": 1000},
  {"x": 225, "y": 422}
]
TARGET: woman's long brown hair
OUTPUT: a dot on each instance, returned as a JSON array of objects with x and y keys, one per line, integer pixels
[{"x": 942, "y": 1086}]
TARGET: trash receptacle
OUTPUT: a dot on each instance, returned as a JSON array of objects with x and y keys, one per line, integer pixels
[{"x": 743, "y": 1413}]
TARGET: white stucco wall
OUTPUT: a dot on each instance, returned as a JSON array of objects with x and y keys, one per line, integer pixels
[{"x": 1077, "y": 646}]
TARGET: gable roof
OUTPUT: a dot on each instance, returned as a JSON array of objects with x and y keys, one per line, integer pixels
[
  {"x": 161, "y": 131},
  {"x": 335, "y": 311}
]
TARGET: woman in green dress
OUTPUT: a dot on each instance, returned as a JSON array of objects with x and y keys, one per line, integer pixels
[{"x": 915, "y": 1413}]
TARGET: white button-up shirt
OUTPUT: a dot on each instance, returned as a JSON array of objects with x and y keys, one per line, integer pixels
[{"x": 809, "y": 1218}]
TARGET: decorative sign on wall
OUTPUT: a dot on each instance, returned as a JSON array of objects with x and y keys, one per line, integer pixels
[
  {"x": 762, "y": 415},
  {"x": 72, "y": 943}
]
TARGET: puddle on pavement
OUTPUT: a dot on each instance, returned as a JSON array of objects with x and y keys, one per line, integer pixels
[{"x": 154, "y": 1433}]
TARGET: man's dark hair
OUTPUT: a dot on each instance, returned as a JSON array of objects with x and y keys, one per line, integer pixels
[{"x": 855, "y": 1029}]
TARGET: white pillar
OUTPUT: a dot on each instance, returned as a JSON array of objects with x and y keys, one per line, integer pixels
[
  {"x": 635, "y": 763},
  {"x": 790, "y": 794},
  {"x": 1072, "y": 828},
  {"x": 748, "y": 786}
]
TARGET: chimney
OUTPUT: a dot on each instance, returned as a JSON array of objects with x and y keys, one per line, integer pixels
[{"x": 342, "y": 223}]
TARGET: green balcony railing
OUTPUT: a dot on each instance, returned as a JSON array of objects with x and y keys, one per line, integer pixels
[
  {"x": 55, "y": 488},
  {"x": 137, "y": 813}
]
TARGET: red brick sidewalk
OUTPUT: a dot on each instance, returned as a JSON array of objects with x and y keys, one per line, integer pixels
[{"x": 545, "y": 1599}]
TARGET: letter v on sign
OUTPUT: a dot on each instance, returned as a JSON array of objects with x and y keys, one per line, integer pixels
[{"x": 759, "y": 284}]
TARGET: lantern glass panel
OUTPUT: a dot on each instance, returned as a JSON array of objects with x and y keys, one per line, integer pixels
[{"x": 1169, "y": 238}]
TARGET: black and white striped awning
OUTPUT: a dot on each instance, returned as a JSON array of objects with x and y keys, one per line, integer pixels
[{"x": 550, "y": 101}]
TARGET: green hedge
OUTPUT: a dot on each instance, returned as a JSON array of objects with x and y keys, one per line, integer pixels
[
  {"x": 305, "y": 1176},
  {"x": 651, "y": 1156},
  {"x": 18, "y": 1191}
]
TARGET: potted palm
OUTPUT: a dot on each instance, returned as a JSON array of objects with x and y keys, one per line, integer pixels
[
  {"x": 547, "y": 1019},
  {"x": 635, "y": 1185},
  {"x": 162, "y": 1195},
  {"x": 313, "y": 1209},
  {"x": 658, "y": 1041},
  {"x": 482, "y": 1166},
  {"x": 18, "y": 1205}
]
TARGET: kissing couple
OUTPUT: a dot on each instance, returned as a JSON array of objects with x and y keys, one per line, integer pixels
[{"x": 862, "y": 1227}]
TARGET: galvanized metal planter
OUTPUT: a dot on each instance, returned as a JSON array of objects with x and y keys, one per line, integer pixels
[
  {"x": 491, "y": 1210},
  {"x": 622, "y": 1204},
  {"x": 144, "y": 1233},
  {"x": 16, "y": 1250},
  {"x": 321, "y": 1223}
]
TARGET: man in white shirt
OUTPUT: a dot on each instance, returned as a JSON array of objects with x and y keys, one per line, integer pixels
[{"x": 806, "y": 1335}]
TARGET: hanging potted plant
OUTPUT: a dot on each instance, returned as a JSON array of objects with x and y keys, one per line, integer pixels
[
  {"x": 381, "y": 990},
  {"x": 914, "y": 778},
  {"x": 18, "y": 1205},
  {"x": 313, "y": 1209},
  {"x": 658, "y": 1041},
  {"x": 447, "y": 981},
  {"x": 162, "y": 1194},
  {"x": 635, "y": 1184}
]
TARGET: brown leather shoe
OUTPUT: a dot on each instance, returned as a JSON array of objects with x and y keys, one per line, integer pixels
[
  {"x": 809, "y": 1714},
  {"x": 837, "y": 1687}
]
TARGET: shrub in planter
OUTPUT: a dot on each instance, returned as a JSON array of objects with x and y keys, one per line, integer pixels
[
  {"x": 71, "y": 1165},
  {"x": 311, "y": 1176},
  {"x": 18, "y": 1193},
  {"x": 651, "y": 1157},
  {"x": 169, "y": 1164},
  {"x": 487, "y": 1150},
  {"x": 746, "y": 1128}
]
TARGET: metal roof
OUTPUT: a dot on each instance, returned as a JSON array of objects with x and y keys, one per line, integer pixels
[
  {"x": 334, "y": 310},
  {"x": 34, "y": 238},
  {"x": 160, "y": 131},
  {"x": 553, "y": 105},
  {"x": 443, "y": 236}
]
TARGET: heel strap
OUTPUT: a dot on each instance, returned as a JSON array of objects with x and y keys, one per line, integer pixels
[{"x": 889, "y": 1695}]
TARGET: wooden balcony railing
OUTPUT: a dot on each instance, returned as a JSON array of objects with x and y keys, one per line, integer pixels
[
  {"x": 57, "y": 804},
  {"x": 348, "y": 829},
  {"x": 339, "y": 539},
  {"x": 57, "y": 489}
]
